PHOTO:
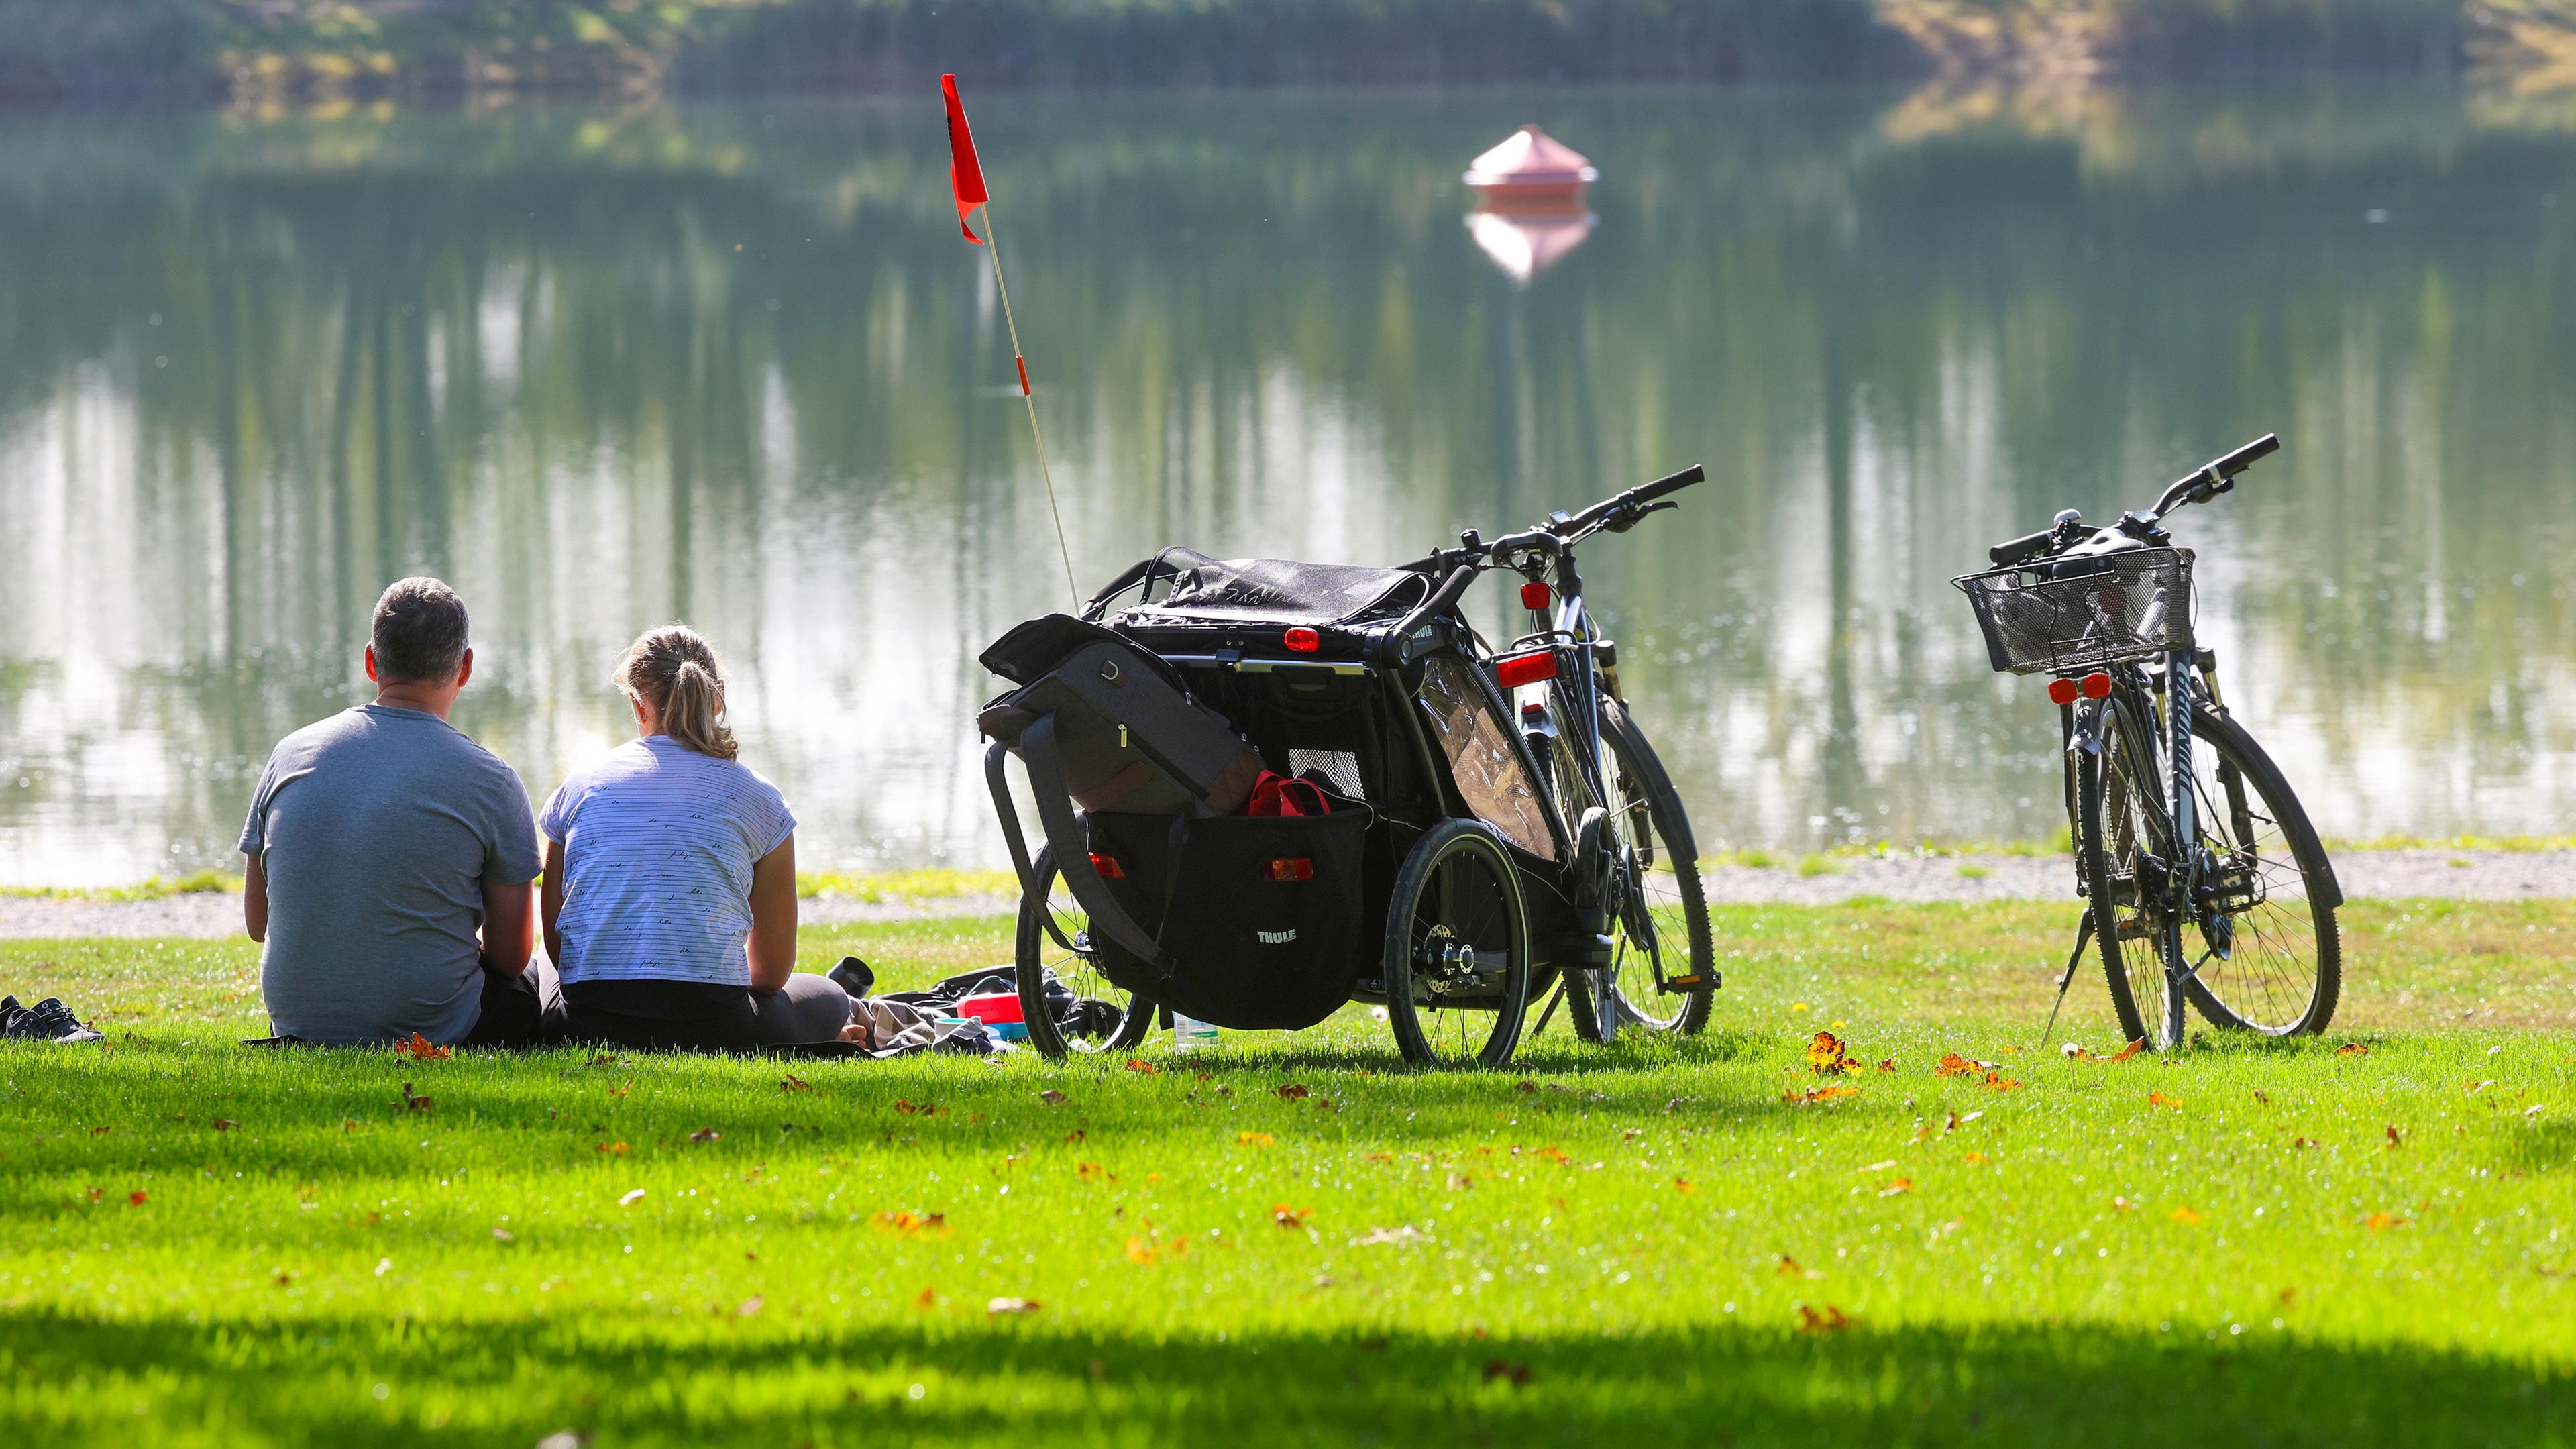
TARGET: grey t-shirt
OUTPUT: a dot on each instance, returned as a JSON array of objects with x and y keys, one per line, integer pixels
[{"x": 377, "y": 828}]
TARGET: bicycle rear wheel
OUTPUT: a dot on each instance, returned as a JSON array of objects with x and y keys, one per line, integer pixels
[
  {"x": 2272, "y": 959},
  {"x": 1102, "y": 1018},
  {"x": 2119, "y": 847}
]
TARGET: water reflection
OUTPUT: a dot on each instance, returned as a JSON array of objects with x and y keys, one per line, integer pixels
[{"x": 731, "y": 364}]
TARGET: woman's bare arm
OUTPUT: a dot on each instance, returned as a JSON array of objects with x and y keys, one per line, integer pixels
[{"x": 772, "y": 947}]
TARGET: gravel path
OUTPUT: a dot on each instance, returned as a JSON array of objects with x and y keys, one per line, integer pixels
[{"x": 2486, "y": 875}]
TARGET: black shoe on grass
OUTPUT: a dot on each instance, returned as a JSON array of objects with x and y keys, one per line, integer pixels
[
  {"x": 10, "y": 1011},
  {"x": 49, "y": 1020}
]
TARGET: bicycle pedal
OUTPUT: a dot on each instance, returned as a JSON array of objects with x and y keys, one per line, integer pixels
[{"x": 1679, "y": 984}]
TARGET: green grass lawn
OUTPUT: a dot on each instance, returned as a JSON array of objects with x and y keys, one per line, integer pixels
[{"x": 2252, "y": 1244}]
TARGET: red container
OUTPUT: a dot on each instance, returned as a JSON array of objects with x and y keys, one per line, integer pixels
[{"x": 994, "y": 1008}]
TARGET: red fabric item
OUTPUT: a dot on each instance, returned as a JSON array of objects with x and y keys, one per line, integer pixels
[
  {"x": 1274, "y": 794},
  {"x": 965, "y": 173}
]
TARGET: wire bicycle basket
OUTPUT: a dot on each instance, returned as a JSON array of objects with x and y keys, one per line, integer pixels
[{"x": 2047, "y": 618}]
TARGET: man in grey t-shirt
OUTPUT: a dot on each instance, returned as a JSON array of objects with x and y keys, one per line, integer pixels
[{"x": 391, "y": 858}]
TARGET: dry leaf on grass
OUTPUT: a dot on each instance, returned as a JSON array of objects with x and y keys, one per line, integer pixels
[
  {"x": 1052, "y": 1097},
  {"x": 1822, "y": 1318},
  {"x": 613, "y": 1149},
  {"x": 1291, "y": 1218},
  {"x": 412, "y": 1103},
  {"x": 1684, "y": 1186},
  {"x": 1293, "y": 1091},
  {"x": 795, "y": 1083},
  {"x": 631, "y": 1197},
  {"x": 2396, "y": 1139},
  {"x": 703, "y": 1136},
  {"x": 1516, "y": 1374},
  {"x": 1377, "y": 1237},
  {"x": 223, "y": 1124},
  {"x": 1897, "y": 1188},
  {"x": 747, "y": 1307},
  {"x": 1829, "y": 1054},
  {"x": 1253, "y": 1139},
  {"x": 1138, "y": 1064},
  {"x": 2353, "y": 1049},
  {"x": 1825, "y": 1093},
  {"x": 421, "y": 1048},
  {"x": 2159, "y": 1099},
  {"x": 906, "y": 1224},
  {"x": 998, "y": 1306},
  {"x": 2187, "y": 1217}
]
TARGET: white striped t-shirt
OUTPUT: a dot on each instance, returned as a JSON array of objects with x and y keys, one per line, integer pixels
[{"x": 659, "y": 841}]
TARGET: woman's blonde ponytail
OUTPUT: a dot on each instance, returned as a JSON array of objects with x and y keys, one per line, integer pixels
[{"x": 677, "y": 672}]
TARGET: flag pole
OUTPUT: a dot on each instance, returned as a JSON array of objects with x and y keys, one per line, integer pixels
[{"x": 1063, "y": 551}]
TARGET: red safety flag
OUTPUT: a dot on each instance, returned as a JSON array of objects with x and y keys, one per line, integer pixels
[{"x": 965, "y": 173}]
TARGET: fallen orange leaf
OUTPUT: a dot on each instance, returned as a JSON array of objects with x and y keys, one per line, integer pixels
[
  {"x": 2126, "y": 1052},
  {"x": 2186, "y": 1216},
  {"x": 1253, "y": 1139},
  {"x": 2395, "y": 1137},
  {"x": 421, "y": 1048},
  {"x": 1897, "y": 1188},
  {"x": 1139, "y": 1064},
  {"x": 2159, "y": 1099},
  {"x": 2381, "y": 1222},
  {"x": 1684, "y": 1186},
  {"x": 1827, "y": 1319},
  {"x": 912, "y": 1225},
  {"x": 1954, "y": 1065},
  {"x": 1288, "y": 1217},
  {"x": 929, "y": 1299},
  {"x": 795, "y": 1083},
  {"x": 1977, "y": 1157},
  {"x": 1998, "y": 1082},
  {"x": 1294, "y": 1090},
  {"x": 135, "y": 1199},
  {"x": 2352, "y": 1049},
  {"x": 1789, "y": 1267}
]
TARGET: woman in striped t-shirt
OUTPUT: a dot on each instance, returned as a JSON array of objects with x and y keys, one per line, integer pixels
[{"x": 670, "y": 886}]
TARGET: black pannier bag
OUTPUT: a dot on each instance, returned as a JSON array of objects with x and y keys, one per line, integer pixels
[{"x": 1247, "y": 922}]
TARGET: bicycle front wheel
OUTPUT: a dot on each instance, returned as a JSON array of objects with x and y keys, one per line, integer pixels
[{"x": 2271, "y": 959}]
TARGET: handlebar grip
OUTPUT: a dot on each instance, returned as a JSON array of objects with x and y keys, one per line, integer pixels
[
  {"x": 2006, "y": 555},
  {"x": 1649, "y": 492},
  {"x": 1441, "y": 598},
  {"x": 2245, "y": 457}
]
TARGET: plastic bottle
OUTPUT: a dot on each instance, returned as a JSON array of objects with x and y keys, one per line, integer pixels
[{"x": 1189, "y": 1033}]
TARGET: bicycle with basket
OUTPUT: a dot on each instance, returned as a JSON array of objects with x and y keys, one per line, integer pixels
[
  {"x": 1268, "y": 789},
  {"x": 2203, "y": 880}
]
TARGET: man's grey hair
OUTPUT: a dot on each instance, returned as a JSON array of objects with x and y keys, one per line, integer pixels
[{"x": 419, "y": 631}]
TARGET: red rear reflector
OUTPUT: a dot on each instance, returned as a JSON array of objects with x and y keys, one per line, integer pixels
[
  {"x": 1303, "y": 640},
  {"x": 1516, "y": 670},
  {"x": 1534, "y": 595},
  {"x": 1108, "y": 866},
  {"x": 1294, "y": 868},
  {"x": 2097, "y": 686},
  {"x": 2061, "y": 691}
]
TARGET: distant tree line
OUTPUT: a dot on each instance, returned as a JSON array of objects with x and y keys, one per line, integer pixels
[{"x": 193, "y": 51}]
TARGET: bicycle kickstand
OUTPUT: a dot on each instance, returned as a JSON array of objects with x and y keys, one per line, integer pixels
[
  {"x": 2083, "y": 938},
  {"x": 1555, "y": 998}
]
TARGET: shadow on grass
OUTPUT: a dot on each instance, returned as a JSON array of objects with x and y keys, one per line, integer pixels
[{"x": 705, "y": 1378}]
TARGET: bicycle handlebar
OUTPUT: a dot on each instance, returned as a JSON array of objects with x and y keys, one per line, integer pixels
[
  {"x": 2216, "y": 476},
  {"x": 2027, "y": 546}
]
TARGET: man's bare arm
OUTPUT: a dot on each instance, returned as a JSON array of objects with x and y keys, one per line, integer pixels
[
  {"x": 255, "y": 899},
  {"x": 509, "y": 926}
]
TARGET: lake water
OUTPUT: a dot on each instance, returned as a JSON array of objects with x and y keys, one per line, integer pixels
[{"x": 733, "y": 364}]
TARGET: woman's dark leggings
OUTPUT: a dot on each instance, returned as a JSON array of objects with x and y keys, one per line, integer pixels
[{"x": 694, "y": 1016}]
